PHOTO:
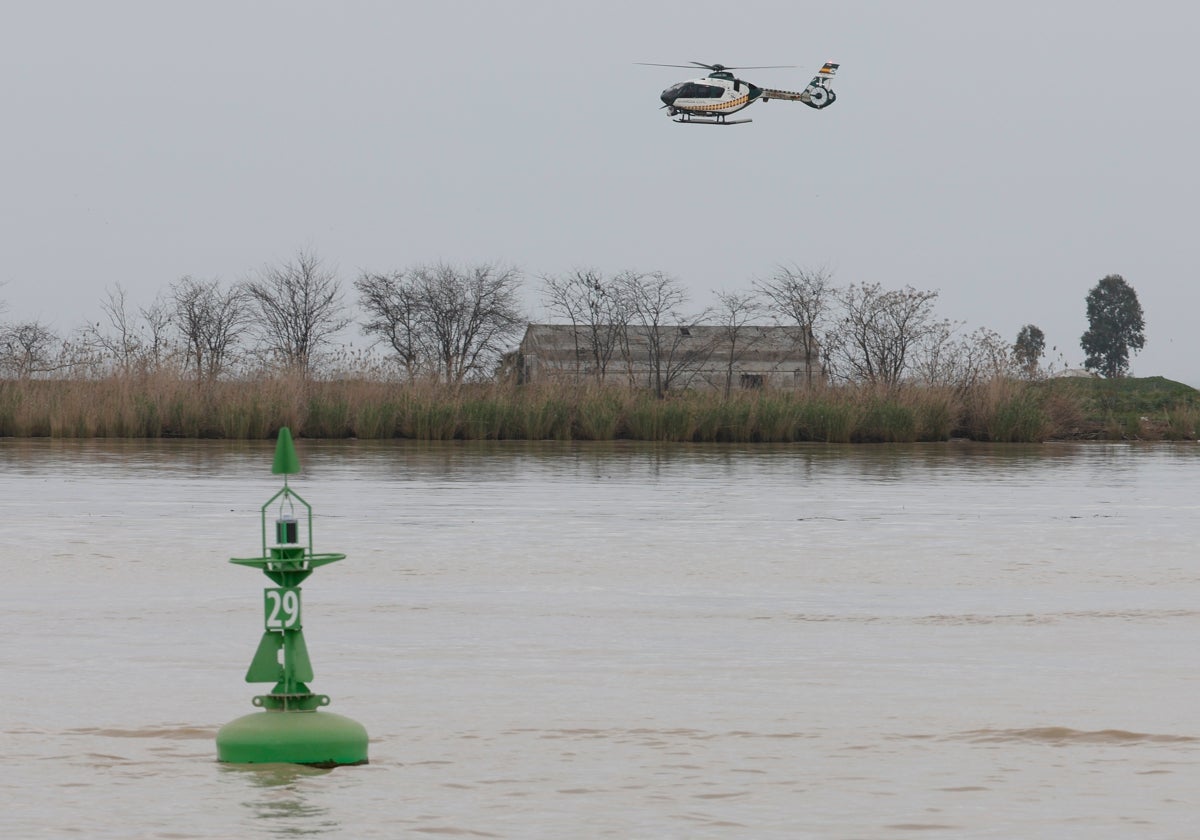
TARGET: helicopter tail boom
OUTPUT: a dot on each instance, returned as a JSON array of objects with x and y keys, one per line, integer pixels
[{"x": 817, "y": 95}]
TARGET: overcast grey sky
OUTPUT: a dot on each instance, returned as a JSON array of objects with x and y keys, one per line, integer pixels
[{"x": 1008, "y": 155}]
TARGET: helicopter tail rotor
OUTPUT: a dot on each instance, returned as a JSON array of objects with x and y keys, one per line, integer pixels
[{"x": 820, "y": 95}]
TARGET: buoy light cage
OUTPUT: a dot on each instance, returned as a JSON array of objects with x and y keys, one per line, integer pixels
[{"x": 287, "y": 526}]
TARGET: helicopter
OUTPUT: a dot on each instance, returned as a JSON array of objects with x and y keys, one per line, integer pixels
[{"x": 711, "y": 100}]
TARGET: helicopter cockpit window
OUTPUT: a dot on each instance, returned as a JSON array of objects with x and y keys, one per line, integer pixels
[{"x": 692, "y": 90}]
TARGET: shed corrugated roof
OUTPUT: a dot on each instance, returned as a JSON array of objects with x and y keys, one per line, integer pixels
[{"x": 765, "y": 337}]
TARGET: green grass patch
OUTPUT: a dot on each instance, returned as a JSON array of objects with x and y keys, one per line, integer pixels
[{"x": 1128, "y": 408}]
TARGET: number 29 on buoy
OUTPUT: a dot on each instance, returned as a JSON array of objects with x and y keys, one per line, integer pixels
[{"x": 281, "y": 608}]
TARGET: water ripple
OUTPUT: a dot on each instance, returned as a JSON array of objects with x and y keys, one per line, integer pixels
[{"x": 1064, "y": 736}]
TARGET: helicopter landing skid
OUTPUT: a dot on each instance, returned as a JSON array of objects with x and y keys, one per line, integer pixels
[{"x": 687, "y": 120}]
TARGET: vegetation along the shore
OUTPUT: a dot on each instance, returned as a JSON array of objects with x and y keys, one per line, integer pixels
[
  {"x": 1005, "y": 410},
  {"x": 795, "y": 358}
]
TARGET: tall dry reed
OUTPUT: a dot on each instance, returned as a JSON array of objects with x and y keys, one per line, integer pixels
[
  {"x": 171, "y": 404},
  {"x": 1006, "y": 411}
]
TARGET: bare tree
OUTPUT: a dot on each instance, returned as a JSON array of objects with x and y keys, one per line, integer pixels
[
  {"x": 654, "y": 300},
  {"x": 130, "y": 340},
  {"x": 803, "y": 297},
  {"x": 30, "y": 348},
  {"x": 157, "y": 318},
  {"x": 962, "y": 361},
  {"x": 210, "y": 322},
  {"x": 878, "y": 331},
  {"x": 396, "y": 316},
  {"x": 298, "y": 308},
  {"x": 471, "y": 313},
  {"x": 456, "y": 322},
  {"x": 598, "y": 311},
  {"x": 119, "y": 344},
  {"x": 736, "y": 311}
]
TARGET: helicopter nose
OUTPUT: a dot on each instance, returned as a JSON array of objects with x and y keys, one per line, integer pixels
[{"x": 669, "y": 96}]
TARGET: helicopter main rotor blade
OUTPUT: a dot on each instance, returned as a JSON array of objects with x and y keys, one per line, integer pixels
[{"x": 719, "y": 67}]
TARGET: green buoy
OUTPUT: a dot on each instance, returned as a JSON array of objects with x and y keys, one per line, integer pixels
[{"x": 290, "y": 729}]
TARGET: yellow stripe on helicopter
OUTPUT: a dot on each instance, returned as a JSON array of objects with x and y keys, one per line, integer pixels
[{"x": 721, "y": 106}]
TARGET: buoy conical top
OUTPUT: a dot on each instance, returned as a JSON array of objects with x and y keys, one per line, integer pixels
[{"x": 286, "y": 462}]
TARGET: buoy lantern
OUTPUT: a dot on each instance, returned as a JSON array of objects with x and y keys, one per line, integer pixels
[{"x": 289, "y": 729}]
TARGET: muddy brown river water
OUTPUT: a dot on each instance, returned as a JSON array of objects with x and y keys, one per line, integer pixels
[{"x": 551, "y": 641}]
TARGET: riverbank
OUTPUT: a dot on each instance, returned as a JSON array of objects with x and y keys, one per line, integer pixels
[{"x": 169, "y": 405}]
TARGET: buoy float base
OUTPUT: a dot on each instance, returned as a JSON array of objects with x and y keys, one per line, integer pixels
[{"x": 318, "y": 739}]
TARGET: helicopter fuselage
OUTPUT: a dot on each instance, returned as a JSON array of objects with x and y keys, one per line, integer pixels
[{"x": 717, "y": 95}]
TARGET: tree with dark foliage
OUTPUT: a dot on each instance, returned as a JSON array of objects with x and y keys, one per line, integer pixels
[
  {"x": 1029, "y": 348},
  {"x": 1115, "y": 326}
]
